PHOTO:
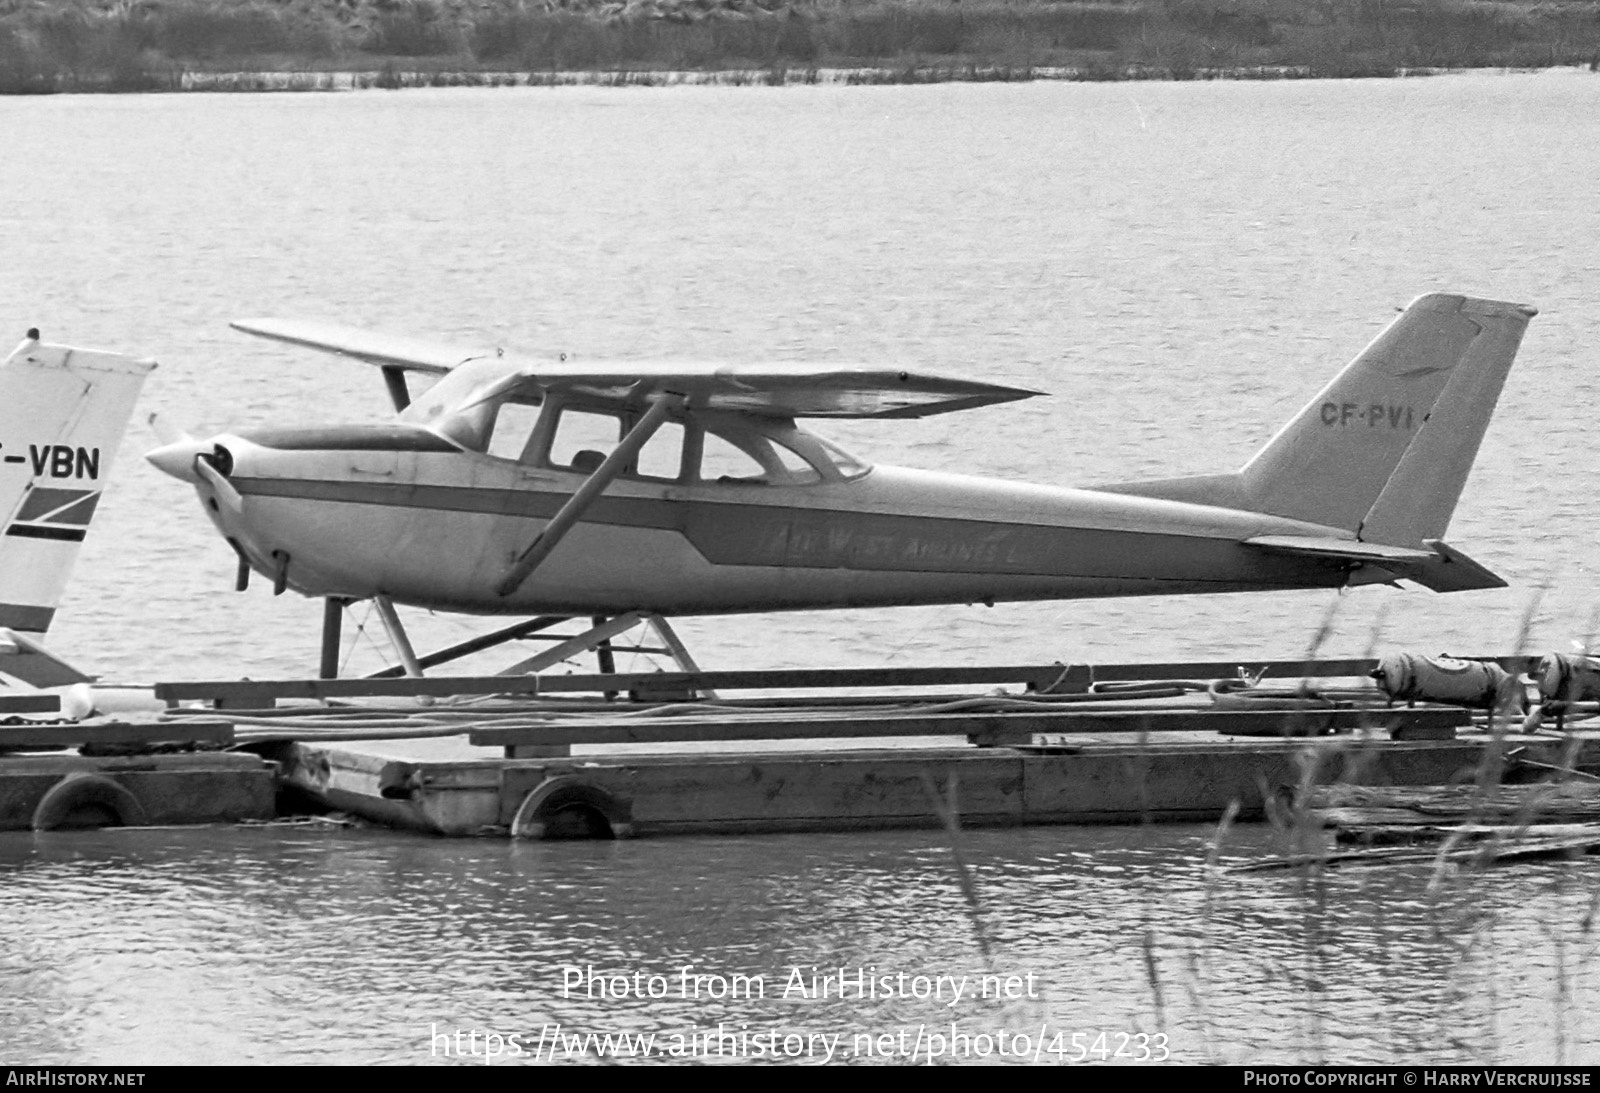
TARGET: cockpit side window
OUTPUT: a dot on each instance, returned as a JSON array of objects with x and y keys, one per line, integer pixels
[
  {"x": 583, "y": 438},
  {"x": 513, "y": 428},
  {"x": 580, "y": 439},
  {"x": 661, "y": 457},
  {"x": 721, "y": 448}
]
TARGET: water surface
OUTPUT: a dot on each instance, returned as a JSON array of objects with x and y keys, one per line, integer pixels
[{"x": 1181, "y": 265}]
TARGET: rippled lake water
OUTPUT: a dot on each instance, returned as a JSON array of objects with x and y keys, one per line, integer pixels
[
  {"x": 1180, "y": 265},
  {"x": 301, "y": 946}
]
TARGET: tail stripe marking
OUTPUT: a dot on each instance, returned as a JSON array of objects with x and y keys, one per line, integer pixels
[
  {"x": 44, "y": 531},
  {"x": 60, "y": 506},
  {"x": 17, "y": 616}
]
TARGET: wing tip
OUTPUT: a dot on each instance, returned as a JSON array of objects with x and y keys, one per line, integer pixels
[
  {"x": 1472, "y": 305},
  {"x": 261, "y": 326}
]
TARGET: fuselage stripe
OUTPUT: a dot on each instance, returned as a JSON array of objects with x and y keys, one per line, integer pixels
[{"x": 740, "y": 533}]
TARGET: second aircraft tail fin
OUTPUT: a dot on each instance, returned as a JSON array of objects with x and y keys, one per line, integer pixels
[{"x": 62, "y": 415}]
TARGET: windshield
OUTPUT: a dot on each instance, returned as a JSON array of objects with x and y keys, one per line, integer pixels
[{"x": 463, "y": 405}]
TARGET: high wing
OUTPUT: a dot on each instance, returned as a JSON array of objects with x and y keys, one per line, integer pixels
[
  {"x": 389, "y": 350},
  {"x": 769, "y": 390}
]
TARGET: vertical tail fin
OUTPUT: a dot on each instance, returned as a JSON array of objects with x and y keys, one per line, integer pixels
[
  {"x": 1385, "y": 448},
  {"x": 62, "y": 415}
]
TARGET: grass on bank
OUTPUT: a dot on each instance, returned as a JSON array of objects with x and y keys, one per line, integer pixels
[{"x": 136, "y": 45}]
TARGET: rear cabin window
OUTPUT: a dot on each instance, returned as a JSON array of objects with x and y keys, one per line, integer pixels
[
  {"x": 723, "y": 461},
  {"x": 846, "y": 464},
  {"x": 798, "y": 470}
]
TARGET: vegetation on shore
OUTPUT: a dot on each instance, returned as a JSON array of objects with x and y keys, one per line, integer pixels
[{"x": 137, "y": 45}]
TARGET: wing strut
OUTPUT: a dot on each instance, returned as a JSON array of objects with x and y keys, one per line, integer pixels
[
  {"x": 586, "y": 494},
  {"x": 399, "y": 392}
]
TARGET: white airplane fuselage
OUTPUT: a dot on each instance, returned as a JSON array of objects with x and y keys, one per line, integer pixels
[
  {"x": 687, "y": 488},
  {"x": 438, "y": 529}
]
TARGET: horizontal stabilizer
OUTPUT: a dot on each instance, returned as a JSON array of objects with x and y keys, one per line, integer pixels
[
  {"x": 24, "y": 659},
  {"x": 1455, "y": 572},
  {"x": 1441, "y": 567},
  {"x": 1310, "y": 546}
]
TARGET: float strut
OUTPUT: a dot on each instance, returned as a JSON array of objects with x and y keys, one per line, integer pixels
[
  {"x": 582, "y": 643},
  {"x": 680, "y": 652},
  {"x": 397, "y": 636},
  {"x": 475, "y": 645},
  {"x": 602, "y": 650},
  {"x": 604, "y": 657},
  {"x": 332, "y": 618}
]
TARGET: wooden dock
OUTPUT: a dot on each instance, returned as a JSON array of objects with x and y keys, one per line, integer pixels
[
  {"x": 815, "y": 790},
  {"x": 1080, "y": 744},
  {"x": 670, "y": 753}
]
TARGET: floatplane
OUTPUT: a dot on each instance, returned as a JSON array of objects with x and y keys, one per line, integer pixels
[
  {"x": 625, "y": 492},
  {"x": 63, "y": 412}
]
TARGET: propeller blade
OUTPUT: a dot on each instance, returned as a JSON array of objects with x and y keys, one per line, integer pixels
[{"x": 166, "y": 431}]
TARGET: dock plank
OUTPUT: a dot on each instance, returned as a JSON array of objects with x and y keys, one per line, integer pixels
[
  {"x": 798, "y": 791},
  {"x": 193, "y": 731},
  {"x": 988, "y": 729},
  {"x": 1055, "y": 678},
  {"x": 1571, "y": 801},
  {"x": 263, "y": 693},
  {"x": 29, "y": 703}
]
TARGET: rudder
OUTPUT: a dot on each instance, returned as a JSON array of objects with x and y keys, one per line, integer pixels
[{"x": 1384, "y": 450}]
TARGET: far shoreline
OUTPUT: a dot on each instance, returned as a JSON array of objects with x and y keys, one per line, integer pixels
[
  {"x": 109, "y": 46},
  {"x": 388, "y": 78}
]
